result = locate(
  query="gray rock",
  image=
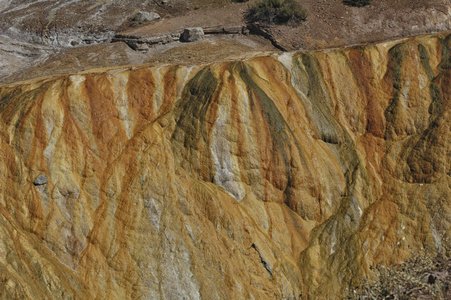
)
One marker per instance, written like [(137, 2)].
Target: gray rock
[(192, 34), (143, 16), (41, 180)]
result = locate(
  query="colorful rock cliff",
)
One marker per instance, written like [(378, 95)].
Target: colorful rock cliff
[(275, 177)]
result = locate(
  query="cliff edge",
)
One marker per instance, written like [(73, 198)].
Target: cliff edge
[(276, 177)]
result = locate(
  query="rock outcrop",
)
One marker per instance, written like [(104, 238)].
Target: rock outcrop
[(41, 180), (276, 177), (193, 34), (144, 16)]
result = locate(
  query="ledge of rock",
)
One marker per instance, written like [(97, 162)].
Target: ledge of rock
[(192, 34)]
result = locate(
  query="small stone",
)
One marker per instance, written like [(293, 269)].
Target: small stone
[(192, 34), (41, 180), (143, 16)]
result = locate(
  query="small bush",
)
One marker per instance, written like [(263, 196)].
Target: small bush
[(276, 12), (357, 3)]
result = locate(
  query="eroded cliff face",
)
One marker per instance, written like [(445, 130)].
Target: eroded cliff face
[(276, 177)]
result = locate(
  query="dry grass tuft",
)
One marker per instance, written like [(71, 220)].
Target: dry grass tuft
[(418, 278)]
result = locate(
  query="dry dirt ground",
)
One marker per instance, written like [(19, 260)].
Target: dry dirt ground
[(332, 24), (329, 24)]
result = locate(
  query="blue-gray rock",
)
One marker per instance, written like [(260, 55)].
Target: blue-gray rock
[(41, 180)]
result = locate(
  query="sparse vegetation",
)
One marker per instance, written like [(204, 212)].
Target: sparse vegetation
[(357, 3), (418, 278), (287, 12)]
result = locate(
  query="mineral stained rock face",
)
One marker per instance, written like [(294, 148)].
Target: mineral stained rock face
[(276, 177)]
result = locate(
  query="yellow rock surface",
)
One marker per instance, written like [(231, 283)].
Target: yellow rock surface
[(277, 177)]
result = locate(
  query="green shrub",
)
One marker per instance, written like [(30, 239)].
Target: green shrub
[(357, 3), (276, 12)]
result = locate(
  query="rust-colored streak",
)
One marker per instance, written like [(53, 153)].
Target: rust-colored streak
[(140, 90), (106, 126), (365, 78), (170, 89)]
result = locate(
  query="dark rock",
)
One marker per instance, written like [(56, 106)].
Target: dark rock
[(41, 180)]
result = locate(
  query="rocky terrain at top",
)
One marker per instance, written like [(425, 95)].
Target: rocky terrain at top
[(48, 35)]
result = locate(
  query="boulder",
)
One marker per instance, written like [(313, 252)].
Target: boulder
[(142, 16), (192, 34), (41, 180), (167, 3)]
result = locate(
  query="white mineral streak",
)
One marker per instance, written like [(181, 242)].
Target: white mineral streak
[(120, 99)]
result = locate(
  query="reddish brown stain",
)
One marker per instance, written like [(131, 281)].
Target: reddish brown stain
[(106, 126), (364, 75), (140, 91), (169, 90)]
